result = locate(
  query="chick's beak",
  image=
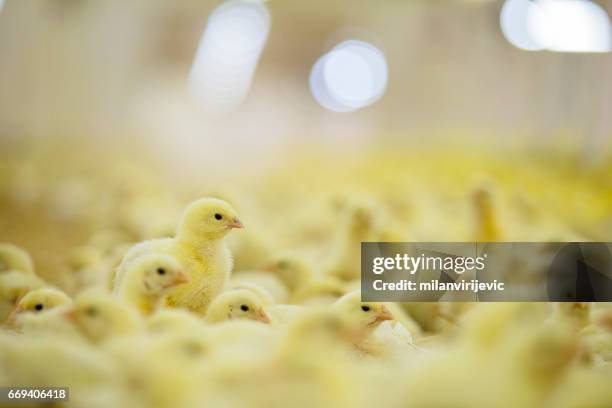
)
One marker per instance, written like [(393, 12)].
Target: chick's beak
[(70, 313), (235, 223), (182, 277), (263, 317), (384, 314)]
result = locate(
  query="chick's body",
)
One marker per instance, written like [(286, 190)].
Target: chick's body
[(199, 247)]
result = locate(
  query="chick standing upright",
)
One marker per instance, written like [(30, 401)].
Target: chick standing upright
[(199, 246)]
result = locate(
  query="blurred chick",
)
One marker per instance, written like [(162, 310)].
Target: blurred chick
[(99, 316), (53, 361), (294, 270), (13, 258), (360, 223), (38, 301), (13, 285), (487, 228), (199, 246), (367, 318), (267, 282), (148, 278), (236, 304), (172, 320), (324, 290)]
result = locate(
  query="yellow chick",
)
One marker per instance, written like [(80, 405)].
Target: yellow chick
[(53, 361), (318, 333), (269, 283), (487, 228), (199, 246), (100, 316), (324, 290), (148, 279), (86, 269), (366, 316), (596, 338), (14, 258), (577, 314), (13, 285), (282, 314), (164, 370), (236, 304), (294, 270), (172, 320), (38, 301), (361, 223)]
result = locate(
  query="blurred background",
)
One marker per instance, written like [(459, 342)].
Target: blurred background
[(111, 70), (206, 91)]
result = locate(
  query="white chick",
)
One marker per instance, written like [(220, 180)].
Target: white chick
[(147, 279), (199, 246), (236, 304)]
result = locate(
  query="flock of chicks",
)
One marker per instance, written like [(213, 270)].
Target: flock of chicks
[(213, 318)]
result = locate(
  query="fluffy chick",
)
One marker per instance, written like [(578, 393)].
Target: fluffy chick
[(294, 270), (100, 316), (172, 320), (367, 318), (49, 361), (199, 246), (14, 258), (38, 301), (146, 361), (146, 280), (324, 290), (13, 285), (269, 283), (361, 223), (236, 304)]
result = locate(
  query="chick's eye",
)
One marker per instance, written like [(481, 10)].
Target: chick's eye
[(218, 217), (244, 308), (365, 308), (38, 306), (161, 271)]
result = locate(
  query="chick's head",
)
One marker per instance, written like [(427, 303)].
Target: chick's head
[(161, 272), (15, 284), (99, 316), (367, 315), (206, 219), (41, 300), (237, 304), (292, 269)]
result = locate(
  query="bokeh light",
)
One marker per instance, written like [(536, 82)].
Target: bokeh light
[(228, 53), (351, 76), (570, 26), (556, 25), (513, 21)]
